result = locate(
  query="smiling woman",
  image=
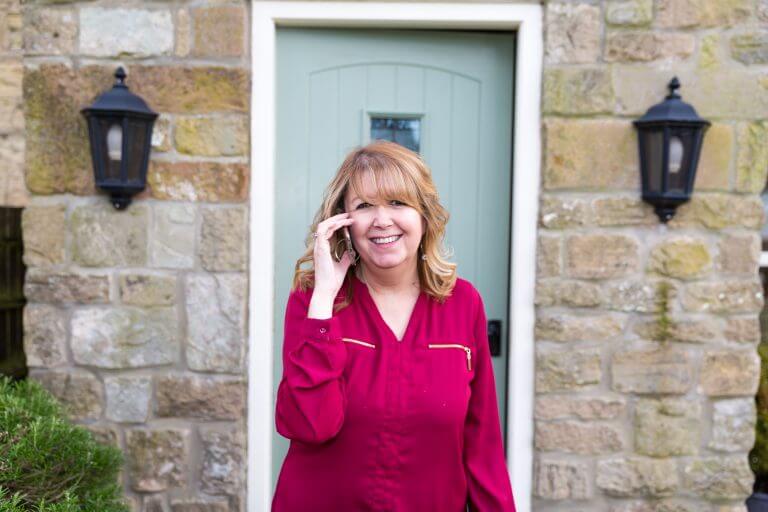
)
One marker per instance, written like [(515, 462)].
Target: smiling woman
[(387, 393)]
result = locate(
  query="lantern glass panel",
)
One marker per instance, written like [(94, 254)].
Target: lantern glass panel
[(110, 128), (137, 137), (653, 155), (681, 142)]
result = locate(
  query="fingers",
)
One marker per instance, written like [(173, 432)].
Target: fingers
[(328, 227)]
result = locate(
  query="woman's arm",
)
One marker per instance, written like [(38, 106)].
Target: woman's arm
[(311, 398), (484, 465)]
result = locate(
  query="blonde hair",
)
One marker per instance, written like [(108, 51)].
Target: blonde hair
[(398, 174)]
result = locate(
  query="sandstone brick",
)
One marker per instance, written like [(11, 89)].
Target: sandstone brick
[(623, 211), (13, 190), (633, 296), (751, 48), (732, 296), (197, 89), (223, 241), (105, 237), (573, 33), (111, 32), (663, 370), (62, 287), (648, 46), (172, 244), (125, 337), (578, 437), (719, 211), (548, 255), (43, 229), (78, 390), (45, 336), (161, 134), (157, 458), (714, 169), (742, 329), (216, 306), (681, 257), (198, 181), (590, 154), (209, 398), (561, 480), (739, 253), (577, 91), (567, 293), (667, 427), (710, 53), (700, 330), (719, 478), (702, 13), (558, 212), (631, 13), (730, 373), (49, 31), (556, 407), (637, 476), (565, 370), (128, 398), (223, 467), (733, 425), (212, 136), (752, 159), (600, 256), (147, 289), (567, 328), (219, 31)]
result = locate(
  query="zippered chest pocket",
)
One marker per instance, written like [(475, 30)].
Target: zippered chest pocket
[(454, 346)]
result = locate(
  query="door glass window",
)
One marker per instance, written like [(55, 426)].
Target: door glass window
[(406, 132)]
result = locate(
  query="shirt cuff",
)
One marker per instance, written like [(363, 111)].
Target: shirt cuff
[(325, 329)]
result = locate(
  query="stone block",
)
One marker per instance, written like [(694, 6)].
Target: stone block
[(681, 257), (629, 13), (637, 476), (561, 480), (183, 33), (147, 289), (79, 391), (739, 253), (223, 466), (119, 32), (212, 136), (63, 287), (701, 13), (105, 237), (161, 134), (719, 211), (224, 237), (557, 407), (548, 256), (573, 33), (633, 296), (158, 459), (124, 337), (561, 212), (211, 182), (199, 505), (666, 370), (568, 328), (752, 158), (700, 330), (648, 46), (585, 438), (45, 336), (731, 296), (219, 31), (719, 478), (128, 398), (667, 427), (49, 31), (565, 370), (207, 398), (750, 48), (601, 256), (733, 425), (44, 229), (714, 170), (172, 244), (730, 373), (568, 293), (577, 91), (623, 211), (216, 311), (742, 329), (590, 154), (13, 190)]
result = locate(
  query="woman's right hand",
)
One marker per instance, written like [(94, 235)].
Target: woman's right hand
[(329, 273)]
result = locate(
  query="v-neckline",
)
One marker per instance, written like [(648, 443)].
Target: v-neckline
[(363, 289)]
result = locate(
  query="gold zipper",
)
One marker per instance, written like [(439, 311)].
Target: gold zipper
[(363, 343), (456, 345)]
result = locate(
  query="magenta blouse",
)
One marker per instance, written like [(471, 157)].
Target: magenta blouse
[(381, 424)]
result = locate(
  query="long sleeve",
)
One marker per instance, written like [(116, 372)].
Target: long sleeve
[(488, 482), (311, 398)]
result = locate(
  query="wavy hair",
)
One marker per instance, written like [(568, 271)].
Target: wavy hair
[(398, 174)]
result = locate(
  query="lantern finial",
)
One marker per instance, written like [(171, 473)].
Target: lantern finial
[(120, 77), (673, 86)]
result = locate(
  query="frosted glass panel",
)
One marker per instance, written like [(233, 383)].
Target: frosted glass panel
[(406, 132)]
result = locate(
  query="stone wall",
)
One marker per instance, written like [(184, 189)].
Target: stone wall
[(13, 192), (627, 419), (137, 319)]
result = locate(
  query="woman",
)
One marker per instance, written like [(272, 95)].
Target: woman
[(387, 393)]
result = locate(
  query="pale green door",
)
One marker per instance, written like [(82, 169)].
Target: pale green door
[(447, 94)]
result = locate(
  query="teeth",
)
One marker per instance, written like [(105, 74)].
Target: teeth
[(385, 240)]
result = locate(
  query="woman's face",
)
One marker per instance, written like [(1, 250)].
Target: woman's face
[(375, 224)]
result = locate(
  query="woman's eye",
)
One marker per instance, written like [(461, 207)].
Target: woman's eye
[(397, 203), (361, 204)]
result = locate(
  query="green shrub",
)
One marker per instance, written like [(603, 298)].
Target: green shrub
[(48, 464)]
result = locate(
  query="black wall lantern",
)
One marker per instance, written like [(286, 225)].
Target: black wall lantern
[(120, 132), (670, 136)]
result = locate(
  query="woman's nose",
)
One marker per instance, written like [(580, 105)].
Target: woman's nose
[(382, 216)]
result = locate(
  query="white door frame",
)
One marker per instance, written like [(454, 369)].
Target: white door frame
[(526, 20)]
